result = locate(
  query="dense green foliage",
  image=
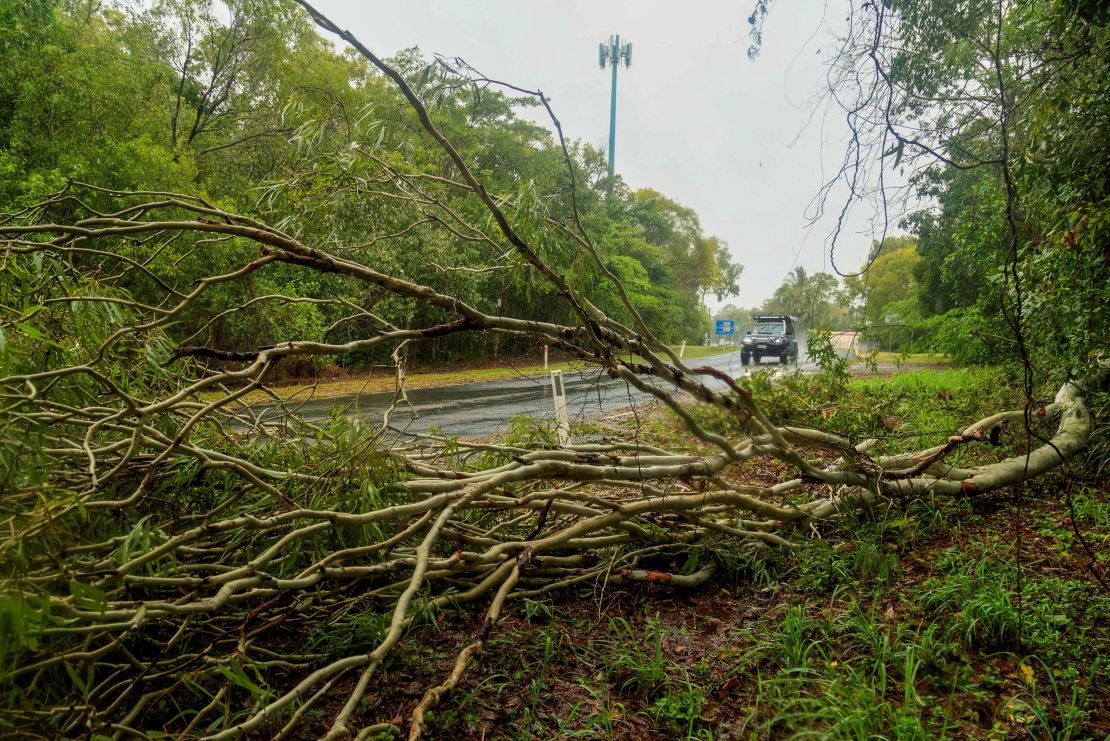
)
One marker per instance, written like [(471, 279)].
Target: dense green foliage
[(812, 298), (999, 113), (247, 105), (1050, 63)]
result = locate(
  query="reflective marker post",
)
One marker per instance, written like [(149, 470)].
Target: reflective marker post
[(545, 357), (559, 394), (682, 350)]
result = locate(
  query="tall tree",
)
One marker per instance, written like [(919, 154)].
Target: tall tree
[(890, 278), (812, 298)]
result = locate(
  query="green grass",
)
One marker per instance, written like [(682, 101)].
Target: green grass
[(912, 359), (910, 409), (933, 658)]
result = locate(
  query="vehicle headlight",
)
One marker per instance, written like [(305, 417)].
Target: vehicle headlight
[(779, 340), (746, 341)]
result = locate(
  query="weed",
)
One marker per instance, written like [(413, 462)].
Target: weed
[(935, 651), (362, 632), (1071, 698), (536, 612), (603, 722), (834, 704), (872, 562), (633, 667), (735, 561), (984, 609), (823, 565), (680, 711), (527, 431), (792, 643), (873, 640), (1090, 510)]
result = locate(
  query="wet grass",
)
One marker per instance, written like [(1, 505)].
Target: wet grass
[(911, 360), (929, 623)]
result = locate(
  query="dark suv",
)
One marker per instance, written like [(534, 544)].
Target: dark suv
[(772, 335)]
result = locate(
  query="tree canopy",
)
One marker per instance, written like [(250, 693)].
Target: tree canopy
[(245, 103), (998, 115)]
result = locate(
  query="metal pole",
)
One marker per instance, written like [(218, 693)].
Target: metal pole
[(614, 46)]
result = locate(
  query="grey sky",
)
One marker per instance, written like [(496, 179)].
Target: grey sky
[(695, 119)]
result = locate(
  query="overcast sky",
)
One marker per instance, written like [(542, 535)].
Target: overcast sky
[(696, 120)]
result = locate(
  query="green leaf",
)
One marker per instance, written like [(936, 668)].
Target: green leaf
[(35, 334), (238, 675), (88, 596)]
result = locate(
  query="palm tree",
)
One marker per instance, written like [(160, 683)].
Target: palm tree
[(803, 295)]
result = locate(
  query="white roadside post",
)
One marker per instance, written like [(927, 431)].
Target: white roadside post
[(400, 361), (682, 350), (402, 364), (559, 394), (545, 357)]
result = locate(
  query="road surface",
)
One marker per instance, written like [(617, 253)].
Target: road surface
[(481, 409)]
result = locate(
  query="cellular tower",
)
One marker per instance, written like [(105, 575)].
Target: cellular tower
[(612, 54)]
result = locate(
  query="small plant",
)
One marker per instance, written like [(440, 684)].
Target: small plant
[(532, 432), (363, 631), (872, 562), (792, 643), (680, 711), (637, 664), (601, 723), (822, 565), (735, 561), (1072, 697), (820, 349), (985, 613)]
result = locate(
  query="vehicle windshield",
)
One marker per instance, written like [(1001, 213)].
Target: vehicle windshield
[(768, 328)]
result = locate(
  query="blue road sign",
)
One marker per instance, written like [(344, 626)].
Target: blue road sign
[(726, 326)]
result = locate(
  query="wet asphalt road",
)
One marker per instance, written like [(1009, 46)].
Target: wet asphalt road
[(481, 409)]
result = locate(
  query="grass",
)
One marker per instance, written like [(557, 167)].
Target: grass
[(910, 409), (927, 650), (933, 619), (912, 359), (380, 380)]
